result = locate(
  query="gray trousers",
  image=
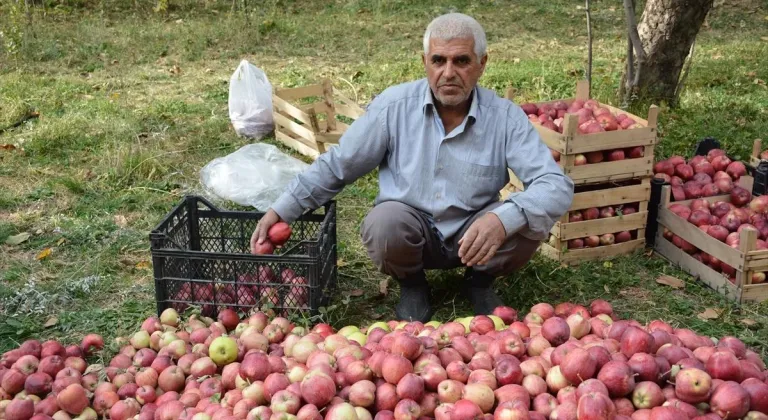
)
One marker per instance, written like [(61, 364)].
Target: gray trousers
[(401, 242)]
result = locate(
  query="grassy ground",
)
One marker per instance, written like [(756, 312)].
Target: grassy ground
[(132, 104)]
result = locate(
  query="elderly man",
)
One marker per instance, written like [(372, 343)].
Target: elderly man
[(442, 146)]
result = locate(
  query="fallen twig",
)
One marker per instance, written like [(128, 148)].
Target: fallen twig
[(22, 120)]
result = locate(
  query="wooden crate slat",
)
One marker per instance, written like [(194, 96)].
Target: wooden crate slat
[(617, 170), (607, 140), (755, 293), (297, 145), (296, 128), (611, 196), (692, 266), (575, 230), (284, 107), (349, 111), (576, 256), (302, 92), (701, 240)]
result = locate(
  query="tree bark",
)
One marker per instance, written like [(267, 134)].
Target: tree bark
[(667, 30)]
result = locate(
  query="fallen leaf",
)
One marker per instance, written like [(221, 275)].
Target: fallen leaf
[(607, 290), (94, 368), (356, 293), (764, 38), (142, 265), (17, 239), (516, 60), (7, 147), (51, 322), (44, 254), (341, 263), (649, 253), (670, 281), (175, 69), (61, 241), (383, 287), (607, 264), (376, 316), (121, 221), (709, 313), (114, 96), (751, 74), (748, 322)]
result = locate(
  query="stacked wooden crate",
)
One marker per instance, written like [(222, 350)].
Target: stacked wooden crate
[(622, 185)]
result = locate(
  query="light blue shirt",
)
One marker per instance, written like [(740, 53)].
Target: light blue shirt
[(450, 176)]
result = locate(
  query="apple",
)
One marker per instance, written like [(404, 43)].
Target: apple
[(465, 410), (406, 410), (758, 394), (386, 397), (578, 366), (724, 365), (647, 394), (618, 378), (72, 399), (507, 314), (556, 331), (730, 400), (595, 405)]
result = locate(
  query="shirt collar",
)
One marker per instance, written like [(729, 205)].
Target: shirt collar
[(429, 102)]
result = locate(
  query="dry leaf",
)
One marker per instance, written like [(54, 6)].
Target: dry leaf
[(376, 316), (17, 239), (341, 263), (121, 221), (709, 313), (607, 290), (356, 293), (764, 38), (175, 69), (142, 265), (51, 322), (383, 287), (748, 322), (670, 281), (607, 264), (61, 241), (7, 146), (44, 254), (94, 368)]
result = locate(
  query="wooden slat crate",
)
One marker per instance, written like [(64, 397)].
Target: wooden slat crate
[(613, 195), (746, 259), (298, 125), (572, 143), (757, 148)]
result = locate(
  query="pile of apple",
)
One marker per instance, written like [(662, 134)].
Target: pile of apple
[(724, 221), (263, 287), (701, 176), (562, 362), (593, 118), (48, 380)]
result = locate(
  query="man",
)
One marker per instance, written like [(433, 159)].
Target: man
[(442, 146)]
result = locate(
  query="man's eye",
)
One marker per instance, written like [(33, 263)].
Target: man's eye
[(438, 60), (462, 60)]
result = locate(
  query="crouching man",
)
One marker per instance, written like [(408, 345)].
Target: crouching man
[(442, 145)]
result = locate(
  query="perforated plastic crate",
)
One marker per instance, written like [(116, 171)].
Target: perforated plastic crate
[(201, 257)]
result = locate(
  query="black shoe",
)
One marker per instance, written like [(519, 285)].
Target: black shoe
[(414, 300), (479, 287)]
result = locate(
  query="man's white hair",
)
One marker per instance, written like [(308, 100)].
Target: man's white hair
[(456, 25)]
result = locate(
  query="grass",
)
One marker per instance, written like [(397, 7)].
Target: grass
[(132, 104)]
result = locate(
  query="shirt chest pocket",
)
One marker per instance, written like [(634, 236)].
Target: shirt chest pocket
[(474, 185)]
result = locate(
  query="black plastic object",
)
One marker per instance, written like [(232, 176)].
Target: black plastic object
[(705, 145), (652, 225), (760, 174), (201, 257)]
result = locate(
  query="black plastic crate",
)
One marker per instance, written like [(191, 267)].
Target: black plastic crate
[(201, 257)]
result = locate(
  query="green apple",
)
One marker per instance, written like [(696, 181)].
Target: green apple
[(223, 350), (401, 325), (497, 322), (434, 324), (169, 317), (465, 322), (359, 337), (381, 324), (349, 329)]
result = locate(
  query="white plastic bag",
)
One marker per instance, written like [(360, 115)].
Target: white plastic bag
[(250, 101), (255, 175)]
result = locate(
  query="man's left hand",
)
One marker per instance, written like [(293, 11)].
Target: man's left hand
[(481, 241)]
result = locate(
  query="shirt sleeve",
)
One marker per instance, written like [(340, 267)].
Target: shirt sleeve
[(548, 192), (361, 149)]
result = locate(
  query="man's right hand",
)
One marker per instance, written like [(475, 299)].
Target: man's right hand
[(260, 233)]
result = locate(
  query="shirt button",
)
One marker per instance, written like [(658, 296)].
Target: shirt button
[(437, 195)]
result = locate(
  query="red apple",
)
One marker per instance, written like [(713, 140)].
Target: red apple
[(647, 394), (617, 377), (730, 400)]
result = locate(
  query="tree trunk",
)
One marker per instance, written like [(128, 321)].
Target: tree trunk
[(667, 30)]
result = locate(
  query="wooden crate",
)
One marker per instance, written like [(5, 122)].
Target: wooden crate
[(312, 128), (586, 196), (571, 143), (746, 260), (757, 148)]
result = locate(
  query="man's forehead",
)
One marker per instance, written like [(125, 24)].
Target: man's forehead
[(451, 48)]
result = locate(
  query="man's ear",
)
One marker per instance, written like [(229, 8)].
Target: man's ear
[(483, 61), (424, 59)]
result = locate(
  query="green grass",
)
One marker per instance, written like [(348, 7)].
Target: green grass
[(120, 134)]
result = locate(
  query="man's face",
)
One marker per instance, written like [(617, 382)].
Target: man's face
[(453, 69)]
